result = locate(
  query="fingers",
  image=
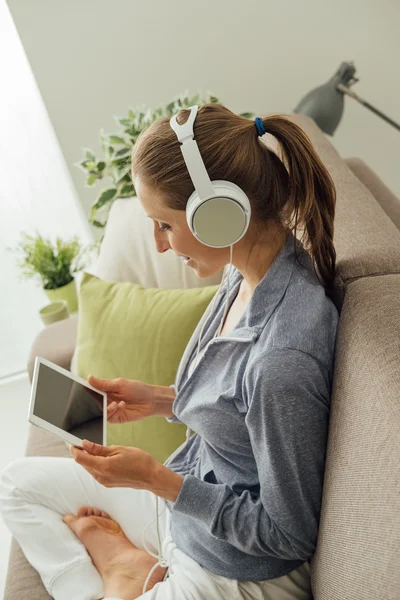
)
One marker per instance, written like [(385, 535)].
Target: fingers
[(105, 385), (95, 460), (115, 412)]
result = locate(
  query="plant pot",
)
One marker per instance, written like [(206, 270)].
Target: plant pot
[(66, 292), (56, 311)]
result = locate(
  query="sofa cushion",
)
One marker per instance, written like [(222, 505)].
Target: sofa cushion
[(358, 545), (126, 330), (23, 581)]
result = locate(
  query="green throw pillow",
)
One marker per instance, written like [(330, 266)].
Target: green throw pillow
[(126, 330)]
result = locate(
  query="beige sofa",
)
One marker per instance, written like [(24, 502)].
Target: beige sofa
[(358, 551)]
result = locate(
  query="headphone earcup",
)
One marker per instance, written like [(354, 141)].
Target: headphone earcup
[(221, 220)]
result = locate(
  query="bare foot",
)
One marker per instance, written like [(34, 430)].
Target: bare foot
[(123, 566)]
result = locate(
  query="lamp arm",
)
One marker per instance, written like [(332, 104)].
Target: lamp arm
[(346, 90)]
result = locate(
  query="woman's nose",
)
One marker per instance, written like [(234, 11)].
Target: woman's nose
[(161, 245), (160, 240)]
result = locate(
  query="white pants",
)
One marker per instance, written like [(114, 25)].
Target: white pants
[(35, 494)]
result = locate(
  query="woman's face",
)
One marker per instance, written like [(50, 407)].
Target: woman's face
[(171, 232)]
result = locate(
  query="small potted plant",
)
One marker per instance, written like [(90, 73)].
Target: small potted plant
[(53, 265)]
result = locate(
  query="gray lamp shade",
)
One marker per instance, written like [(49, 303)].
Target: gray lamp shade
[(325, 103)]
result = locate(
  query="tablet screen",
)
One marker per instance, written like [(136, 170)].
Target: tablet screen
[(68, 405)]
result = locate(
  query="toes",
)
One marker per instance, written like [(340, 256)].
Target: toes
[(70, 520), (88, 511)]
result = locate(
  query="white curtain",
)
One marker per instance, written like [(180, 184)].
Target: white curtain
[(36, 193)]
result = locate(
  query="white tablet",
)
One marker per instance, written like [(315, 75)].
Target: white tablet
[(66, 405)]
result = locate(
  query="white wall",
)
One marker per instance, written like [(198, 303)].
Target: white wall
[(95, 58), (36, 194)]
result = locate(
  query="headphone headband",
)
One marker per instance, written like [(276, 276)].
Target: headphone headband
[(191, 154), (185, 130)]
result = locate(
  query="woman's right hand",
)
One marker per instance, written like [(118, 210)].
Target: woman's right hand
[(127, 399)]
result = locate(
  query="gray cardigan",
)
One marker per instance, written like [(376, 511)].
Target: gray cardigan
[(258, 402)]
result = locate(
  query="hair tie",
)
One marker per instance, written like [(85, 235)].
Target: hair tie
[(260, 126)]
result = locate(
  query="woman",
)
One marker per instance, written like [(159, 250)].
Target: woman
[(239, 503)]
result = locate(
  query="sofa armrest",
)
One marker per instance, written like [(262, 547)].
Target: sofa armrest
[(56, 342)]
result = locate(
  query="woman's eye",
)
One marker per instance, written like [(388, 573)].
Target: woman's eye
[(164, 227)]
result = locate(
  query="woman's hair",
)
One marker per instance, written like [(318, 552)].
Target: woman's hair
[(296, 192)]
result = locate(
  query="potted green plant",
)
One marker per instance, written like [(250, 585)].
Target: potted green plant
[(117, 148), (53, 264)]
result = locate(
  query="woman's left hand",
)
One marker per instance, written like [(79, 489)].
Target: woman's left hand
[(116, 466)]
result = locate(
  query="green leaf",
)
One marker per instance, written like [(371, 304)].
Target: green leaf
[(98, 224), (101, 165), (124, 169), (90, 166), (115, 139), (89, 155), (133, 132), (118, 164), (105, 197), (91, 179), (123, 153), (124, 122), (247, 115), (125, 179), (127, 190)]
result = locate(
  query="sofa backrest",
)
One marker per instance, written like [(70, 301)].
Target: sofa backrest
[(359, 534), (358, 547), (359, 537), (388, 201)]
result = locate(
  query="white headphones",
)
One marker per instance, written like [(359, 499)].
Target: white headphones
[(218, 212)]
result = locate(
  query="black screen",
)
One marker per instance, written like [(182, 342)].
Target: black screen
[(69, 405)]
